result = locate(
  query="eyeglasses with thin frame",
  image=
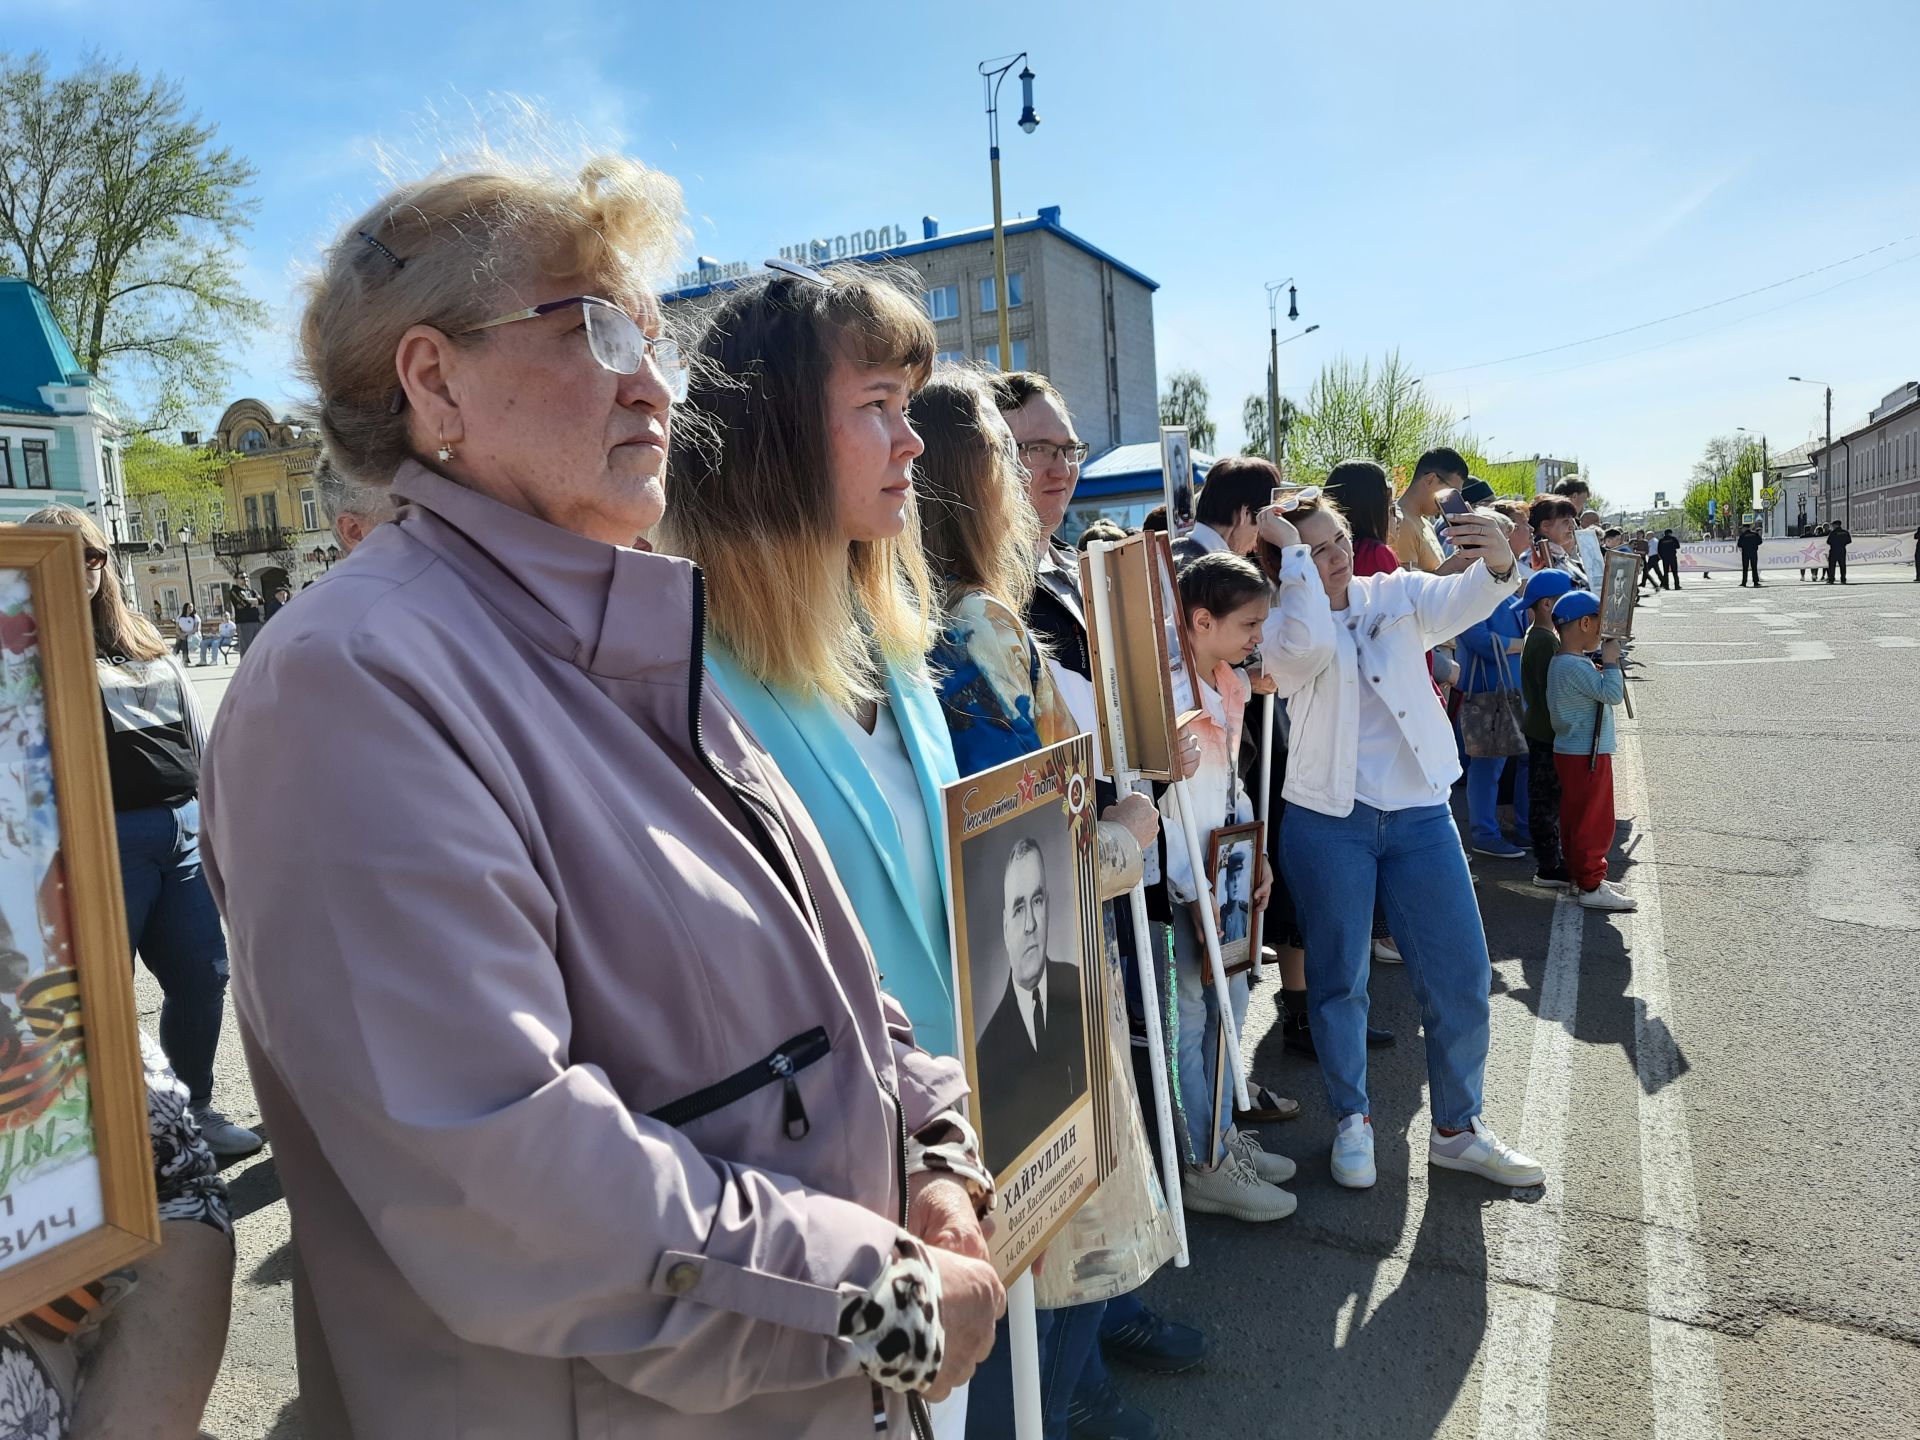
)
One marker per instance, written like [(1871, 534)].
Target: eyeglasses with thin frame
[(95, 557), (1046, 451), (615, 340)]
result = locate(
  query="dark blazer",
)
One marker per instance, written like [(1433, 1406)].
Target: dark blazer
[(1021, 1093), (1056, 616)]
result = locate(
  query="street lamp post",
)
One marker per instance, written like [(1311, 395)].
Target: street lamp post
[(1826, 456), (1274, 287), (992, 72), (185, 537)]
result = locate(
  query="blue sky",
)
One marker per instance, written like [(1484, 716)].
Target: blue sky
[(1464, 183)]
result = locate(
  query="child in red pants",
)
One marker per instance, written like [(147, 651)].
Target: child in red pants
[(1581, 697)]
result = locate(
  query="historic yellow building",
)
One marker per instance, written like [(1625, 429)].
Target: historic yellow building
[(266, 525)]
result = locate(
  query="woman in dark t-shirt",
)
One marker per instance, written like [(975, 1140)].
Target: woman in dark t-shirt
[(154, 735)]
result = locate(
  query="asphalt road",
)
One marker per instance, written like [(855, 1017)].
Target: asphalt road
[(1723, 1087)]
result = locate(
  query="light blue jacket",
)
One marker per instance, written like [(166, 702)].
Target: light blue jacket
[(907, 930)]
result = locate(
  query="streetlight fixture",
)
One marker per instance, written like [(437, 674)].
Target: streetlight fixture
[(1826, 456), (1274, 287), (992, 73)]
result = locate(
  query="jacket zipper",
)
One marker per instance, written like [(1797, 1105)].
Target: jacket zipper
[(918, 1421), (781, 1066)]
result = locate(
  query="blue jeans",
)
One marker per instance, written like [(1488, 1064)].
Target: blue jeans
[(175, 929), (1200, 1040), (1067, 1338), (1412, 860), (1483, 799)]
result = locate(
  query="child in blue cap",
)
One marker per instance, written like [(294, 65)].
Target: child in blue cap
[(1581, 697)]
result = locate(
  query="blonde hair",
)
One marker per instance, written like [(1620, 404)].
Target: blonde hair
[(750, 486), (117, 627), (451, 251), (976, 525)]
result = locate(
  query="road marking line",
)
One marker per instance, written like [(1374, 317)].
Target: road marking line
[(1685, 1368), (1516, 1365), (1798, 650), (1896, 642), (1715, 644)]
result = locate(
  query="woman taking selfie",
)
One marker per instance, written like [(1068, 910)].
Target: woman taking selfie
[(1368, 774), (591, 1116)]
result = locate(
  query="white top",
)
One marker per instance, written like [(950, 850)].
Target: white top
[(1213, 791), (1387, 774), (1206, 537), (1322, 666), (188, 624), (884, 753)]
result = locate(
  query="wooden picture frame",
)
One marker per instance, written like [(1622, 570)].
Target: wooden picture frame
[(1619, 593), (1176, 478), (1235, 912), (76, 1164), (1138, 570), (1022, 874)]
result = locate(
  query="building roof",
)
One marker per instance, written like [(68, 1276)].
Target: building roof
[(1048, 220), (1130, 469), (1885, 414), (33, 349)]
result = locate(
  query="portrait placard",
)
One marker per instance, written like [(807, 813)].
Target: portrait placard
[(1176, 478), (1619, 594), (1139, 573), (76, 1166), (1233, 871), (1027, 968)]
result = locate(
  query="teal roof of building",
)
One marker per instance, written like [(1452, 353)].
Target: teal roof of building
[(33, 349)]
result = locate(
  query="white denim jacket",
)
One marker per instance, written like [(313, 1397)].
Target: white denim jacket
[(1319, 665)]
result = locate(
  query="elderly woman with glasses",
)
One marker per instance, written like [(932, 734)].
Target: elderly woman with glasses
[(591, 1115)]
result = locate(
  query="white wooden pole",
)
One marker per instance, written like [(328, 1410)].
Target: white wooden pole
[(1023, 1336), (1268, 703), (1145, 970)]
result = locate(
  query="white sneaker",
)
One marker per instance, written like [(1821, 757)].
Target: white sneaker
[(1274, 1169), (1230, 1188), (1481, 1152), (1387, 953), (1353, 1153), (1606, 896)]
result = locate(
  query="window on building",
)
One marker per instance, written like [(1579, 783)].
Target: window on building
[(6, 464), (270, 511), (160, 530), (252, 502), (1016, 287), (309, 512), (943, 302), (253, 439), (950, 357), (33, 458), (217, 512), (991, 354), (135, 521)]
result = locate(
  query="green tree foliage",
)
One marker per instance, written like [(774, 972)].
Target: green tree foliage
[(1253, 419), (1724, 474), (1358, 412), (175, 485), (122, 209), (1184, 402)]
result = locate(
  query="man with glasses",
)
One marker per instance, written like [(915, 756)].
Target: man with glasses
[(1052, 451)]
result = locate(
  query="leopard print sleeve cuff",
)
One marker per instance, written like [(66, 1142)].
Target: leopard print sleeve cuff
[(947, 1143), (895, 1328)]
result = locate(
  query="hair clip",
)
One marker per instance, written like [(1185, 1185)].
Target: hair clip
[(799, 272), (398, 263)]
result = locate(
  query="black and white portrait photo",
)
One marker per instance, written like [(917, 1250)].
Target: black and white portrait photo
[(1029, 1034)]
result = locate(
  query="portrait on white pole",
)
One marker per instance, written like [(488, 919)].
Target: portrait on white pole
[(1027, 951)]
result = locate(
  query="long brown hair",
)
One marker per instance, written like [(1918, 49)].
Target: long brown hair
[(750, 492), (117, 627), (976, 525)]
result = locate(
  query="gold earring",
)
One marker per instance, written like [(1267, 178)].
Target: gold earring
[(445, 452)]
